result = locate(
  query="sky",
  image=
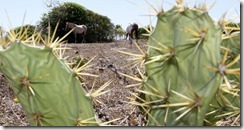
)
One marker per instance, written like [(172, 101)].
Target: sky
[(14, 13)]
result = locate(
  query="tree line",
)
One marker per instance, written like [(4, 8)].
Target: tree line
[(100, 28)]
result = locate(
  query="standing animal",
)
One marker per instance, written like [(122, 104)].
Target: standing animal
[(130, 30), (77, 29)]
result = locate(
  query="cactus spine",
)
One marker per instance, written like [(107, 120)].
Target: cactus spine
[(191, 43), (47, 88), (184, 69)]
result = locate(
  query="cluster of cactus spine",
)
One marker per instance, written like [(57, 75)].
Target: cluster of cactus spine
[(227, 100), (49, 91), (189, 77)]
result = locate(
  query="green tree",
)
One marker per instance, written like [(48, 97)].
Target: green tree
[(99, 27), (1, 32), (119, 32), (234, 27), (28, 30), (142, 31)]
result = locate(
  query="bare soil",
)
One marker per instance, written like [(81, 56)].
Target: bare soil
[(107, 65)]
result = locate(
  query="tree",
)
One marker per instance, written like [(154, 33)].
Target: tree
[(119, 32), (99, 27), (30, 29), (1, 32), (142, 31), (233, 27), (23, 33)]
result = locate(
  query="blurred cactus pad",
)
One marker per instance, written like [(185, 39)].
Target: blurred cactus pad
[(47, 88)]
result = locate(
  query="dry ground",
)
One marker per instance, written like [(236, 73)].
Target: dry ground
[(107, 63)]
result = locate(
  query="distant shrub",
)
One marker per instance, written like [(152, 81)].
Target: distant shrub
[(100, 27)]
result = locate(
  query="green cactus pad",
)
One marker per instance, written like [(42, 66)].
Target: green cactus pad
[(46, 87), (184, 44)]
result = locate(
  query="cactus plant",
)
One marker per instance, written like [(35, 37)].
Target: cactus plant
[(226, 102), (179, 70), (184, 68), (47, 88)]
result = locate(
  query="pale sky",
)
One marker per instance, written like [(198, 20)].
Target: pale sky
[(120, 12)]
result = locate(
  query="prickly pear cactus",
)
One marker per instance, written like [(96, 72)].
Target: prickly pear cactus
[(47, 88), (184, 43), (185, 67), (186, 72), (226, 103)]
